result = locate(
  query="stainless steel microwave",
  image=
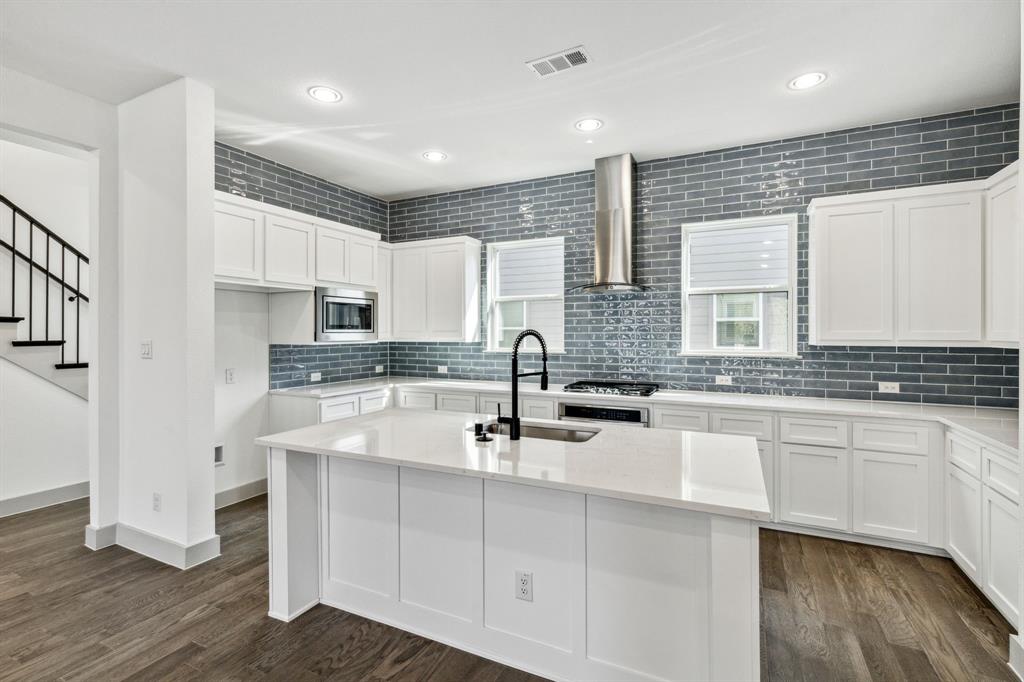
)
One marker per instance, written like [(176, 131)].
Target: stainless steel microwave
[(345, 315)]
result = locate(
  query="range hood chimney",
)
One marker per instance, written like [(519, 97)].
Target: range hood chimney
[(613, 227)]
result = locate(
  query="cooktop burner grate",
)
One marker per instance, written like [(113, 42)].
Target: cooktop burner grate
[(611, 387)]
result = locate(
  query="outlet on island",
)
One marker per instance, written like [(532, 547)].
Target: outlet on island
[(524, 585)]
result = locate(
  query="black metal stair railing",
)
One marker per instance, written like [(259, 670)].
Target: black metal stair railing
[(71, 292)]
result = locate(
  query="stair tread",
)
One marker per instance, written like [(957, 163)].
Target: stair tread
[(71, 365), (8, 318), (37, 343)]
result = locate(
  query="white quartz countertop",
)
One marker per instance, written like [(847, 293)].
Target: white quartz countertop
[(706, 472), (997, 426)]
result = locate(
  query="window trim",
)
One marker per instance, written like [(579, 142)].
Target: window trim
[(493, 299), (791, 220)]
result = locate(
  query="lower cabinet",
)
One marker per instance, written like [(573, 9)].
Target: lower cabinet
[(767, 453), (494, 404), (890, 495), (678, 418), (417, 400), (1000, 523), (537, 408), (333, 409), (963, 521), (456, 402), (814, 485)]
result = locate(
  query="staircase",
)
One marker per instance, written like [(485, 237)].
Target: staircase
[(42, 316)]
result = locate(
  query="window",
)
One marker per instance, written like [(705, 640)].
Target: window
[(525, 290), (739, 287)]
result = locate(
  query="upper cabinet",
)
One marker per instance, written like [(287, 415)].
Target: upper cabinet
[(1002, 248), (923, 266), (259, 246), (435, 290)]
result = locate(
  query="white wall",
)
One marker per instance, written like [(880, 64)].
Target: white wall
[(166, 202), (44, 434), (42, 111), (53, 188), (242, 335)]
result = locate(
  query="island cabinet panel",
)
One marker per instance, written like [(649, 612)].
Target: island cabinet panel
[(359, 528), (441, 543), (541, 532), (647, 576)]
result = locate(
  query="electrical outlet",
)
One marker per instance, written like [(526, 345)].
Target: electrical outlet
[(229, 375), (314, 376), (888, 387), (379, 369), (146, 350), (524, 585), (442, 369), (158, 502), (723, 380)]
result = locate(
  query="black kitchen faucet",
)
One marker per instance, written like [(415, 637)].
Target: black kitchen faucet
[(513, 421)]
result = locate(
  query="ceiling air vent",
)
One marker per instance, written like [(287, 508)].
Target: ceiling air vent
[(558, 62)]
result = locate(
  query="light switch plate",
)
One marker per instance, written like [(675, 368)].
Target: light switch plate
[(314, 376), (888, 387), (229, 375), (723, 380), (146, 350)]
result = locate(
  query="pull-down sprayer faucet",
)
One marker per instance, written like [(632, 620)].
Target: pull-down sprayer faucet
[(513, 421)]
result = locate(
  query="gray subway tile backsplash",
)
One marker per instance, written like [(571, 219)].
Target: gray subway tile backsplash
[(638, 336)]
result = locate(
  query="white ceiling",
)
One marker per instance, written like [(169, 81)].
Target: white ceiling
[(667, 77)]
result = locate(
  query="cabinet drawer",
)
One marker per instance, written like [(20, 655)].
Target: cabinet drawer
[(675, 418), (538, 408), (827, 432), (489, 404), (456, 402), (964, 454), (1000, 473), (909, 440), (757, 425), (372, 403), (339, 408), (419, 401)]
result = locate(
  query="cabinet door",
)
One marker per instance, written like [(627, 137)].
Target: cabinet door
[(363, 261), (890, 495), (538, 408), (814, 487), (445, 297), (1002, 263), (938, 257), (332, 256), (1000, 541), (409, 293), (290, 251), (852, 257), (384, 294), (677, 418), (963, 521), (237, 242)]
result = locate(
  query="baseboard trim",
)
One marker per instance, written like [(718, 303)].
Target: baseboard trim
[(44, 498), (98, 537), (226, 498), (850, 537), (298, 612), (1017, 656), (165, 550)]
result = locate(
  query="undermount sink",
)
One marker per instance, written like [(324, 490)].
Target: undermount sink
[(527, 430)]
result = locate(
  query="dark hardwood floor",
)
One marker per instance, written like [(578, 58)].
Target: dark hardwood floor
[(830, 610)]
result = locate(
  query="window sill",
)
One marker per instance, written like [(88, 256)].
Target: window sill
[(785, 355)]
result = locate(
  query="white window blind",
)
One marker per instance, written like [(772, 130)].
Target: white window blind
[(738, 287), (526, 283)]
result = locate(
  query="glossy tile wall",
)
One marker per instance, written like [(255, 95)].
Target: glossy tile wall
[(638, 336)]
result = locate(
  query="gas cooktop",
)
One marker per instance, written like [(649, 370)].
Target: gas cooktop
[(611, 387)]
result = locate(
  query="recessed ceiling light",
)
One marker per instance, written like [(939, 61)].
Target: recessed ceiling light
[(435, 155), (807, 80), (588, 125), (322, 93)]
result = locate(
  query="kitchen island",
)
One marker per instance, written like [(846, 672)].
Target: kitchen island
[(630, 555)]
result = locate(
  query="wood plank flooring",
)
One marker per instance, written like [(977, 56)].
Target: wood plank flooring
[(830, 611)]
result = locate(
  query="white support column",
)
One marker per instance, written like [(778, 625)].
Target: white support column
[(166, 496), (293, 491)]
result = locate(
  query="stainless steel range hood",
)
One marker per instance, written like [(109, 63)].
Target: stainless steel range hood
[(613, 227)]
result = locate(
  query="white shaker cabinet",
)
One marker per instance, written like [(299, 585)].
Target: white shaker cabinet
[(237, 242), (963, 520), (343, 258), (1002, 259), (289, 251), (1000, 522), (384, 293), (435, 290), (890, 495), (814, 486), (939, 272), (852, 290)]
